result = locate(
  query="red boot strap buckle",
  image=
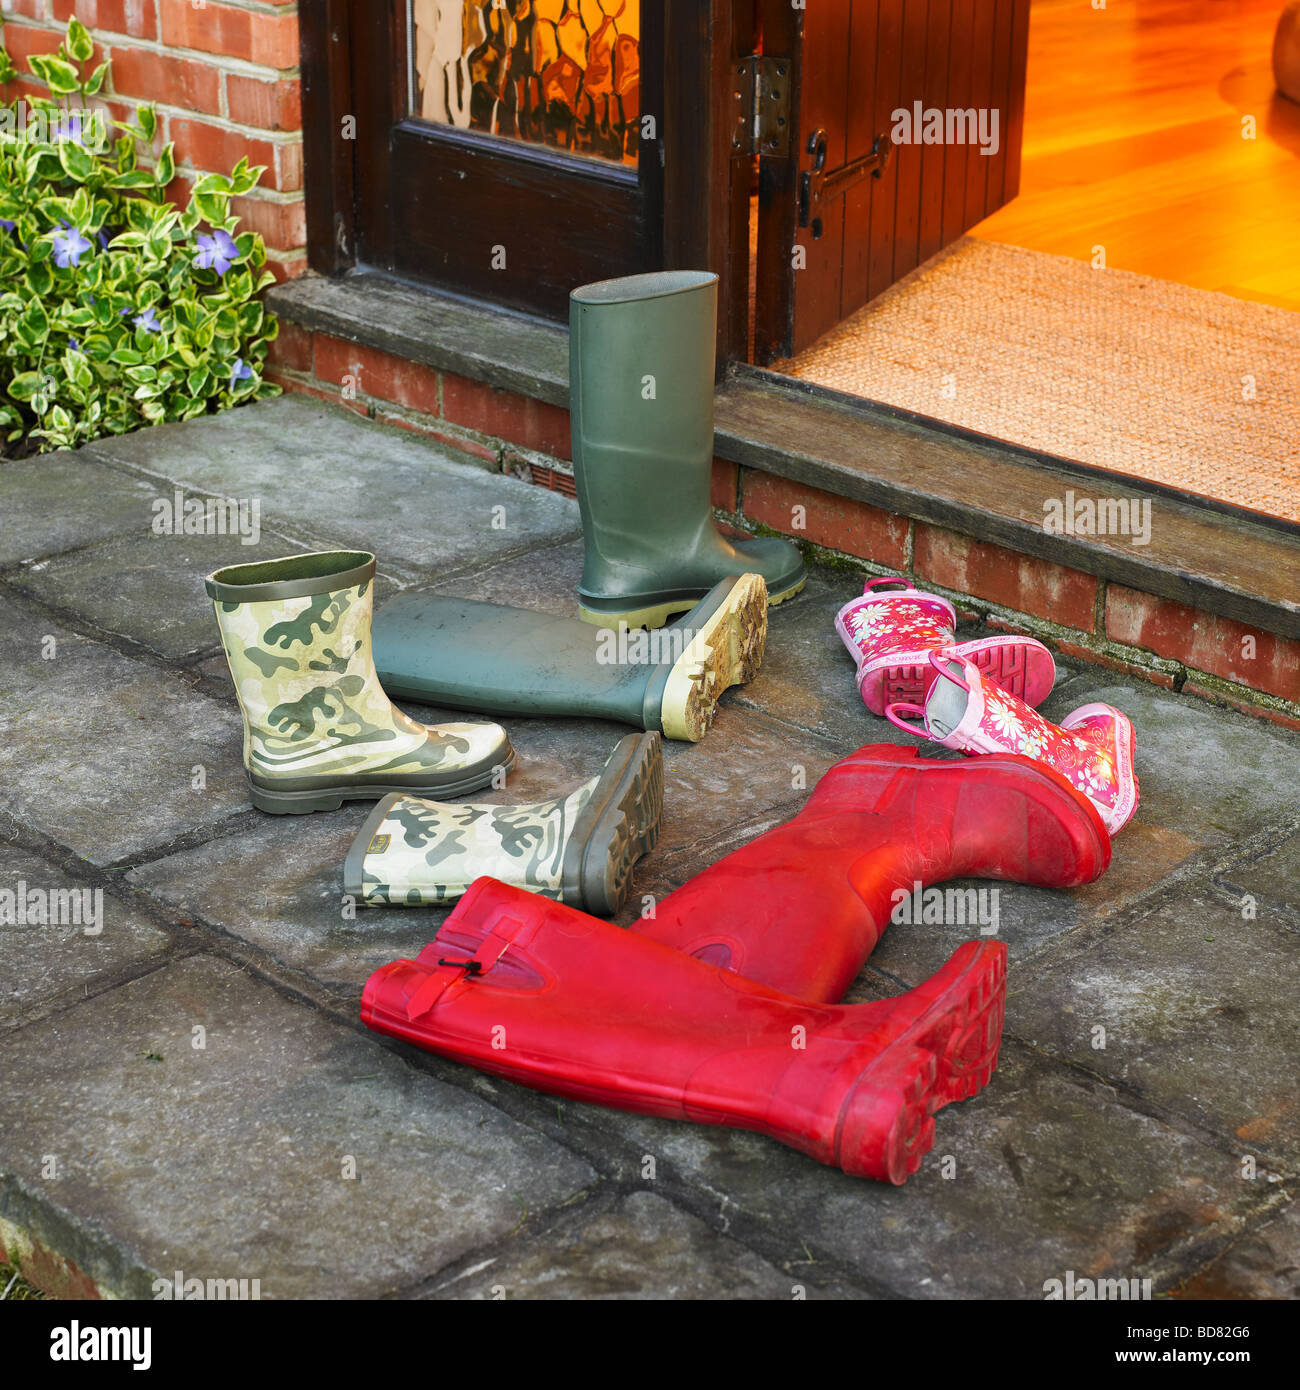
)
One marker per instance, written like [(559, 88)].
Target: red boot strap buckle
[(493, 946)]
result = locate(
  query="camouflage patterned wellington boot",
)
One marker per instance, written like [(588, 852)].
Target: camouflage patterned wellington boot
[(318, 728), (578, 848), (464, 654)]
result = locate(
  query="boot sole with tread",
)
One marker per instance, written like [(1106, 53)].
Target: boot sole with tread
[(617, 827), (727, 651)]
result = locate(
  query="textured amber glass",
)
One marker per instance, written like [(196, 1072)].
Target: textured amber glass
[(564, 73)]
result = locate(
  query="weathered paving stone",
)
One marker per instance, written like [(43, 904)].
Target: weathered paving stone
[(287, 897), (230, 1161), (1049, 1173), (320, 471), (1273, 879), (56, 502), (641, 1247), (545, 581), (1198, 1012), (148, 588), (1262, 1263), (807, 676), (44, 961), (98, 751)]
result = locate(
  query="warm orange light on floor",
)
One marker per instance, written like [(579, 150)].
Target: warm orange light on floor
[(1138, 138)]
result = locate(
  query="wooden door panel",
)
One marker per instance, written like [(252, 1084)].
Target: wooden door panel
[(882, 191), (863, 116), (825, 74), (907, 206), (857, 62), (957, 97)]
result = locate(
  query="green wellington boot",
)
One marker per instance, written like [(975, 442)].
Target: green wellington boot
[(464, 654), (641, 403), (318, 728), (578, 848)]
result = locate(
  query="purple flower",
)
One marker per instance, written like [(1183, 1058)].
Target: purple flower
[(148, 321), (68, 127), (217, 252), (7, 225), (69, 246), (241, 371)]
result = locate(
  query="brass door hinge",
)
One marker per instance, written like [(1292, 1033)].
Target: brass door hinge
[(760, 92)]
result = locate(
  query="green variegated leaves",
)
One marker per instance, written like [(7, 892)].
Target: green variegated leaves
[(113, 317)]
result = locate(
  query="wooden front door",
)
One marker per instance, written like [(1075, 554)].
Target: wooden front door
[(892, 108), (501, 147)]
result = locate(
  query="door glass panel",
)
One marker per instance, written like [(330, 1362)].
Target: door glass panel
[(564, 73)]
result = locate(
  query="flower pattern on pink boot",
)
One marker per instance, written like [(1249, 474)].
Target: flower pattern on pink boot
[(1093, 747), (890, 635)]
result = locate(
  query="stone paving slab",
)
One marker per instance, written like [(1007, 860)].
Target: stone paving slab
[(1190, 1000), (230, 1162), (56, 502), (148, 588), (287, 897), (56, 952), (640, 1247), (318, 471), (1273, 880), (1262, 1263), (1049, 1172), (98, 750)]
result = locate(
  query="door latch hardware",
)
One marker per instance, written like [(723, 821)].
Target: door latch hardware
[(817, 187)]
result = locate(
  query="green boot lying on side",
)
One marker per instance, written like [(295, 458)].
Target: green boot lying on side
[(579, 848), (464, 654)]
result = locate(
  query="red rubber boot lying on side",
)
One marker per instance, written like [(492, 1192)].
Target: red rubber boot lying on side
[(525, 988), (801, 907)]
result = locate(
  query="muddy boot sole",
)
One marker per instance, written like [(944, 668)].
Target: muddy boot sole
[(727, 650), (618, 825)]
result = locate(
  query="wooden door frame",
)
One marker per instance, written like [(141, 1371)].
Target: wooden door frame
[(694, 181)]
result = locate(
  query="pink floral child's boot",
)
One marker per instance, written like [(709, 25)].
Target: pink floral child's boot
[(1092, 747), (891, 634)]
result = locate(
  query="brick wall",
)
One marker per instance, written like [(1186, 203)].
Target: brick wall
[(1082, 617), (224, 76)]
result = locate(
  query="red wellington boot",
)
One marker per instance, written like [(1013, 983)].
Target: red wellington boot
[(801, 907), (529, 989)]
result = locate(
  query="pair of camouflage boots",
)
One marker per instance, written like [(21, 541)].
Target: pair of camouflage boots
[(320, 730)]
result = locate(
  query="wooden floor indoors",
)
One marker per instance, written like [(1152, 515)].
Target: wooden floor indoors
[(1134, 141)]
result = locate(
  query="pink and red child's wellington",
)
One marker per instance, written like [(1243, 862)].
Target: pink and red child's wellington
[(526, 988), (1093, 746), (890, 635)]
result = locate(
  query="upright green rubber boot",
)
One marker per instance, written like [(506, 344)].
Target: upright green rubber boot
[(318, 728), (578, 848), (464, 654), (641, 403)]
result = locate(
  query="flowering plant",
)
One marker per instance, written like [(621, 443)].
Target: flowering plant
[(117, 309)]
